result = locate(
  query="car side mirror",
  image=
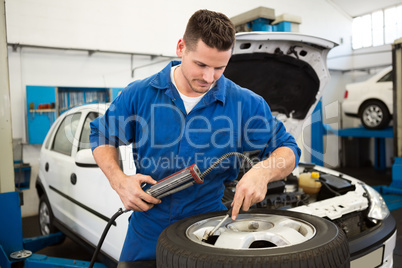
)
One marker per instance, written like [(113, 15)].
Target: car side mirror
[(84, 158)]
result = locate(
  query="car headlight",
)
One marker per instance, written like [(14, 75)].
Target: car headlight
[(378, 208)]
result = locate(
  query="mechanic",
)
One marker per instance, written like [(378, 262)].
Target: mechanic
[(189, 113)]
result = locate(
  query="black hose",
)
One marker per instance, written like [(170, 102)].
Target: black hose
[(110, 222), (206, 172)]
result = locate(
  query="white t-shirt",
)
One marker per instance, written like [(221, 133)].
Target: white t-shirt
[(189, 102)]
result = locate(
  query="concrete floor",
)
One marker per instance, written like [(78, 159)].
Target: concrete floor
[(68, 249), (71, 250)]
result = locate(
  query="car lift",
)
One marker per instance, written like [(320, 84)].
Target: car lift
[(16, 251), (392, 194)]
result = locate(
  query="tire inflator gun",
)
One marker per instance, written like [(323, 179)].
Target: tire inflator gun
[(169, 185), (176, 182)]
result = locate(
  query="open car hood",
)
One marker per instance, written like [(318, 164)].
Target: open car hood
[(289, 70)]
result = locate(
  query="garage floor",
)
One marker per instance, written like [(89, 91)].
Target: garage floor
[(68, 249), (71, 250)]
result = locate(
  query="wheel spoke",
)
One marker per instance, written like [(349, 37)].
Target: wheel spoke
[(282, 235), (230, 239)]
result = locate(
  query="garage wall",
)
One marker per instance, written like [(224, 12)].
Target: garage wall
[(132, 26), (147, 27)]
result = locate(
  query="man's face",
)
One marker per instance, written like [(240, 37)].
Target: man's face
[(200, 68)]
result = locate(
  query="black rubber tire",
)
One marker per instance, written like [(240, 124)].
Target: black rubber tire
[(44, 204), (386, 117), (328, 248)]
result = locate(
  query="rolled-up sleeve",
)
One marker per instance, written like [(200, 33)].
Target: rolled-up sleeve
[(116, 127), (266, 133)]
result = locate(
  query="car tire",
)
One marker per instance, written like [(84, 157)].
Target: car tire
[(46, 217), (327, 248), (374, 115)]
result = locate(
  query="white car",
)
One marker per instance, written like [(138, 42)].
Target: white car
[(346, 217), (74, 194), (371, 100)]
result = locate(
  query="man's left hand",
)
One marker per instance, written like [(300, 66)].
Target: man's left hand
[(251, 189)]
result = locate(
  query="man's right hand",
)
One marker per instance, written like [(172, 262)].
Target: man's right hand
[(127, 187), (131, 194)]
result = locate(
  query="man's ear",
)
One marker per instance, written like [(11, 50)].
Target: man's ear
[(181, 45)]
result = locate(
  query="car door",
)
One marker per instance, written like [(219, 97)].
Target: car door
[(58, 164), (96, 200)]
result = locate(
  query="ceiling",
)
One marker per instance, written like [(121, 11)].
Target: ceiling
[(360, 7)]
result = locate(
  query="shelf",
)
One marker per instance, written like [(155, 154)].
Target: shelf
[(360, 132), (42, 110)]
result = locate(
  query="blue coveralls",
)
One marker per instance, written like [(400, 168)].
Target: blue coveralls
[(150, 114)]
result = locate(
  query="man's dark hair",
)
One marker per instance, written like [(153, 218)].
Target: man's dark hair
[(213, 28)]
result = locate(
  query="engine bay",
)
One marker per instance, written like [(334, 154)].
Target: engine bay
[(339, 198)]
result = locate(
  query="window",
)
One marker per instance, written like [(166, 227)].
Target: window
[(362, 32), (377, 28), (386, 78), (64, 139), (49, 138), (86, 130), (377, 24)]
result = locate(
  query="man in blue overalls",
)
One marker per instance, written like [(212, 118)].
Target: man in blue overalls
[(189, 113)]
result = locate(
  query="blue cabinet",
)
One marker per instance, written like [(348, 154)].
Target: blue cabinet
[(39, 120), (45, 103)]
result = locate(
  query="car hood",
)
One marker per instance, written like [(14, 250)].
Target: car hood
[(289, 70)]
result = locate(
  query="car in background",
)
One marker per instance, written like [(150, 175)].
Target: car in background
[(75, 196), (371, 100), (289, 70)]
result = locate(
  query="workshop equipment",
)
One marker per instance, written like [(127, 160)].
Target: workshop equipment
[(207, 235), (176, 182), (16, 251)]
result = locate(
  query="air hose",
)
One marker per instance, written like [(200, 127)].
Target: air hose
[(103, 236), (121, 211)]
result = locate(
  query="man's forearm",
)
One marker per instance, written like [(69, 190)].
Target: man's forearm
[(107, 158), (278, 165)]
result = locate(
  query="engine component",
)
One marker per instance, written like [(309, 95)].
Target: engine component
[(334, 185), (285, 200)]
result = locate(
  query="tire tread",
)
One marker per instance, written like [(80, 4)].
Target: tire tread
[(333, 254)]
